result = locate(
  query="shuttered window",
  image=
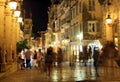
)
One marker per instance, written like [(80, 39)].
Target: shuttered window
[(91, 5), (93, 26)]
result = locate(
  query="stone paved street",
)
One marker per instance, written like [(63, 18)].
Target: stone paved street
[(66, 74)]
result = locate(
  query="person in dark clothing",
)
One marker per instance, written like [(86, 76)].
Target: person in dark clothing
[(90, 52), (35, 55), (49, 60), (95, 57), (60, 57), (35, 59)]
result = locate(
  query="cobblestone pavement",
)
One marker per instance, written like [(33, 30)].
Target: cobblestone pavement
[(65, 74)]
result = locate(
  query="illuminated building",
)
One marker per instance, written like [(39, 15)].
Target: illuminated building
[(9, 36)]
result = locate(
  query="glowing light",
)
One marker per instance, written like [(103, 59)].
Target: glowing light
[(13, 5), (80, 36), (17, 13), (108, 20), (19, 19)]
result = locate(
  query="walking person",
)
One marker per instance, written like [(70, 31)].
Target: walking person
[(49, 60), (28, 55), (23, 59), (39, 58), (34, 59), (90, 52), (60, 58), (96, 57), (20, 60)]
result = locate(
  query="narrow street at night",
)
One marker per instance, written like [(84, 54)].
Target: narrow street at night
[(66, 74), (78, 39)]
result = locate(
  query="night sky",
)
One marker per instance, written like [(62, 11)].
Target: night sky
[(39, 10)]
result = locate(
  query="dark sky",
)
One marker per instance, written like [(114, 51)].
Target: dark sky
[(39, 10)]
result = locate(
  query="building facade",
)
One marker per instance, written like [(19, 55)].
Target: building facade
[(28, 30), (73, 25), (76, 24), (9, 36)]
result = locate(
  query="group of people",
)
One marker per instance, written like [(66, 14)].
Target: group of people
[(101, 56), (29, 59), (39, 60), (92, 54), (24, 58)]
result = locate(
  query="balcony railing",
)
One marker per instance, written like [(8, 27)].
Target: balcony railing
[(65, 21)]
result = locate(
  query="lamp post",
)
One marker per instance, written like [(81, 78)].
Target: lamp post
[(13, 5), (17, 13), (108, 20), (20, 19), (111, 29)]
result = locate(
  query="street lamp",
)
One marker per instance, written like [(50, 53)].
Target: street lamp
[(108, 20), (13, 5), (80, 36), (111, 27), (17, 13), (19, 19)]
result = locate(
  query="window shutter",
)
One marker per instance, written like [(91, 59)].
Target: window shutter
[(98, 27)]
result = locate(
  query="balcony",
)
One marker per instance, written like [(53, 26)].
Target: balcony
[(65, 22), (88, 36)]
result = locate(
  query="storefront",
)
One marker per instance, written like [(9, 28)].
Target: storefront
[(77, 48)]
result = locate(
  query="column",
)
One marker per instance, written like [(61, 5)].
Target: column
[(13, 42), (2, 50), (8, 27), (15, 39)]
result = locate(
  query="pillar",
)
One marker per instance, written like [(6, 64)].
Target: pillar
[(15, 39), (8, 27), (2, 30), (13, 43)]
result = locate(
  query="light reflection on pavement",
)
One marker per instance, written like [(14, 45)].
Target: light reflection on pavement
[(64, 74)]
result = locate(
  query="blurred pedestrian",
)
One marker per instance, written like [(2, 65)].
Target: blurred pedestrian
[(19, 60), (28, 55), (96, 57), (90, 52), (49, 60), (34, 59), (60, 55), (39, 58), (23, 59), (60, 58)]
